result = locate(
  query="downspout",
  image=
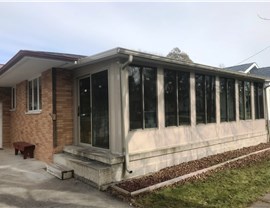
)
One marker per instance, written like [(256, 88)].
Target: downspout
[(267, 111), (123, 126), (53, 115)]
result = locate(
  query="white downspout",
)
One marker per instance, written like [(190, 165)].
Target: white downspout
[(123, 126), (267, 110)]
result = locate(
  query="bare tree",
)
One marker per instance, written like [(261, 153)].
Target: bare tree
[(179, 55)]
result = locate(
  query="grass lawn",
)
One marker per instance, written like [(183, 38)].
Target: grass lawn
[(229, 188)]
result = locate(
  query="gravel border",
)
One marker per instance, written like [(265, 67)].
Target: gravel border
[(185, 168)]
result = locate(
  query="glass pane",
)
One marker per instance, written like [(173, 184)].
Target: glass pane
[(261, 101), (241, 100), (248, 100), (35, 94), (85, 111), (30, 102), (183, 98), (200, 98), (40, 94), (135, 98), (150, 97), (100, 113), (170, 98), (210, 98), (231, 99), (256, 104), (223, 99)]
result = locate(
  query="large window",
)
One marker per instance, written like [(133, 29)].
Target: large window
[(205, 98), (244, 100), (13, 98), (34, 94), (142, 83), (258, 100), (227, 99), (177, 98)]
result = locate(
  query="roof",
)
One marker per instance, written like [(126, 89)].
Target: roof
[(265, 72), (242, 68), (26, 64), (39, 54)]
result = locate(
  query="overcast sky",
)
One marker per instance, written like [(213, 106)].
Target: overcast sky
[(210, 33)]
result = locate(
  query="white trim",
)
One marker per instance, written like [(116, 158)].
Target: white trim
[(32, 92), (249, 68), (32, 112)]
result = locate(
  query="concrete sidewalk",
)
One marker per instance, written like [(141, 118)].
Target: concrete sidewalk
[(25, 183)]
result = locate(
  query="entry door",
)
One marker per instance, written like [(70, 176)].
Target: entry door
[(1, 125), (94, 110)]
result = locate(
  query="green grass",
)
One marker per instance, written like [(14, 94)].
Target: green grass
[(229, 188)]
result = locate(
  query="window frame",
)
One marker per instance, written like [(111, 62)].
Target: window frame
[(206, 118), (259, 113), (142, 97), (33, 97), (227, 80), (177, 74), (243, 83)]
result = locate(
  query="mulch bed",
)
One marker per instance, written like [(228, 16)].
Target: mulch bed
[(192, 166)]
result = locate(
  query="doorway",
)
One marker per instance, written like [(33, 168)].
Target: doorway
[(93, 110)]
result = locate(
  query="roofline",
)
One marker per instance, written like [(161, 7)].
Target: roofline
[(37, 54), (186, 64), (249, 68)]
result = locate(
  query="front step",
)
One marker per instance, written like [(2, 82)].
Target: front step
[(60, 171), (93, 172)]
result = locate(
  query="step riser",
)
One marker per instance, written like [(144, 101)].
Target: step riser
[(98, 177), (60, 172)]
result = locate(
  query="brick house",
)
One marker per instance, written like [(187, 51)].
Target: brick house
[(123, 113)]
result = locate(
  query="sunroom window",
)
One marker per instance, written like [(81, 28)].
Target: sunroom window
[(227, 99), (34, 95), (205, 99), (177, 98), (142, 82), (258, 100), (244, 100)]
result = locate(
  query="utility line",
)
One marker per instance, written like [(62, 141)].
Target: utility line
[(254, 55)]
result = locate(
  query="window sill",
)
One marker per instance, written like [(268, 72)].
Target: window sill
[(12, 110), (33, 112)]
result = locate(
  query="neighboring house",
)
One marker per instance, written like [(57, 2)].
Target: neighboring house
[(252, 68), (123, 113)]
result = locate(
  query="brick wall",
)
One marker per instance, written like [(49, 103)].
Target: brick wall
[(34, 128), (5, 94), (64, 108)]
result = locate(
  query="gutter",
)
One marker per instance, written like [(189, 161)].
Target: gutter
[(123, 126)]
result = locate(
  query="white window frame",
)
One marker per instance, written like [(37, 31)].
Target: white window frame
[(13, 99), (39, 107)]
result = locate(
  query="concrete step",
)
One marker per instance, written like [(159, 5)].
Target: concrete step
[(90, 171), (60, 171)]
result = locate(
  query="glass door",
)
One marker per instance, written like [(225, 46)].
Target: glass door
[(85, 111), (94, 110)]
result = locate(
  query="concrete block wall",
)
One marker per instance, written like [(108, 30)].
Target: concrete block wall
[(144, 163), (5, 94)]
